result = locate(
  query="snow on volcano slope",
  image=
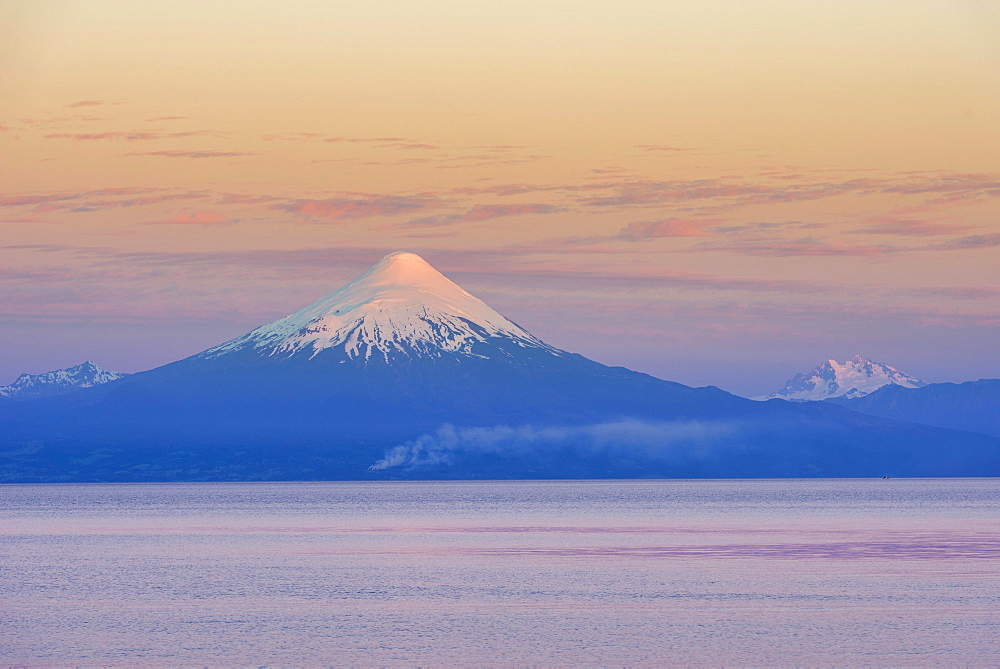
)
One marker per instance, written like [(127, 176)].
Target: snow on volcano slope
[(84, 375), (400, 307), (398, 357), (857, 377)]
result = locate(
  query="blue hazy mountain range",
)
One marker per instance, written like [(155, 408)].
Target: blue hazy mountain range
[(402, 374), (973, 405)]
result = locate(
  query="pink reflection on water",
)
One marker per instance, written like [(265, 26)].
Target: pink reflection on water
[(662, 574)]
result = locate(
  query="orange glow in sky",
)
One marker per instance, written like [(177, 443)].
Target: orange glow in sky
[(716, 193)]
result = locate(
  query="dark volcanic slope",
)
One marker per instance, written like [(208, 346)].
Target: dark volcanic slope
[(404, 370), (195, 420)]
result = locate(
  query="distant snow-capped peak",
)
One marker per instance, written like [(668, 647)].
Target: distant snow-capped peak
[(85, 375), (400, 307), (857, 377)]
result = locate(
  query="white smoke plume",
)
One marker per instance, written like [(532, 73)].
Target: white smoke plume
[(627, 437)]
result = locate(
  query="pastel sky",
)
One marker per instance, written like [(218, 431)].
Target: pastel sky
[(713, 192)]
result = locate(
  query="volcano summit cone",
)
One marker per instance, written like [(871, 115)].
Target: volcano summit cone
[(402, 306)]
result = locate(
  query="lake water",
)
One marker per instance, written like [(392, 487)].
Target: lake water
[(858, 572)]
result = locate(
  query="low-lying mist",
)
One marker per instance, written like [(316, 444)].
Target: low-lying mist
[(629, 437)]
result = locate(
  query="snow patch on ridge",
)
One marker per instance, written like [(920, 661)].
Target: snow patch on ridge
[(84, 375), (401, 306), (857, 377)]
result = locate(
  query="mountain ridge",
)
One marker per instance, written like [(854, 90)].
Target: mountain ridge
[(483, 399), (856, 377), (57, 382), (972, 405)]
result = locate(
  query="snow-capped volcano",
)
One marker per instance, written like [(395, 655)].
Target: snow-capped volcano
[(855, 378), (400, 307), (58, 382), (404, 371)]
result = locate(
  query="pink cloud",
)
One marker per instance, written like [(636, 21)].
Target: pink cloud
[(494, 266), (968, 243), (645, 193), (664, 148), (244, 198), (52, 122), (115, 201), (127, 136), (131, 136), (500, 147), (668, 227), (195, 218), (88, 103), (292, 136), (956, 292), (29, 200), (487, 160), (195, 154), (730, 192), (405, 161), (800, 247), (342, 208), (504, 190), (890, 225), (377, 140), (415, 145), (484, 212), (94, 200), (945, 183), (390, 142), (387, 142)]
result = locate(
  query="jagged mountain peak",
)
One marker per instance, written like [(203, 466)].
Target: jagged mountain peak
[(401, 306), (57, 382), (856, 377)]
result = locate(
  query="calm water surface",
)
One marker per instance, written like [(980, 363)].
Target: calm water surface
[(860, 572)]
